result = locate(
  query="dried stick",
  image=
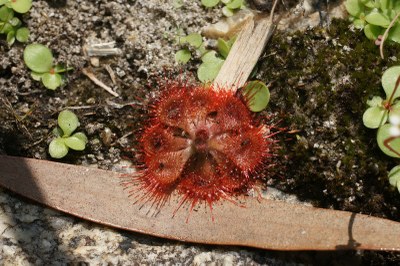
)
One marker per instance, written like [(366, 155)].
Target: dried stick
[(245, 52), (111, 73), (93, 78)]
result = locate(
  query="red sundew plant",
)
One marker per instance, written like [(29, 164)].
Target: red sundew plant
[(202, 143)]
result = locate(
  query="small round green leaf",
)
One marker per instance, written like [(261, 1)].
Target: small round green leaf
[(375, 101), (375, 117), (75, 143), (369, 3), (68, 122), (194, 39), (2, 2), (6, 14), (202, 50), (234, 4), (38, 58), (210, 57), (6, 28), (21, 6), (396, 5), (394, 33), (183, 56), (11, 37), (395, 105), (354, 7), (36, 76), (359, 23), (394, 116), (57, 132), (57, 148), (257, 95), (389, 79), (15, 22), (209, 3), (208, 71), (227, 11), (81, 136), (372, 32), (394, 177), (181, 39), (51, 81), (385, 4), (22, 34), (382, 136), (378, 19)]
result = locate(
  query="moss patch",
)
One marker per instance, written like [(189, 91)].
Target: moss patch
[(321, 80)]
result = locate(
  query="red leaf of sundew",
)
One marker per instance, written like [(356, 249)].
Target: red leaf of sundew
[(96, 195), (202, 143)]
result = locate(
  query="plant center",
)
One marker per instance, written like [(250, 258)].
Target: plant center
[(200, 142)]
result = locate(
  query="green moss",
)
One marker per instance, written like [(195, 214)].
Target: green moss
[(322, 80)]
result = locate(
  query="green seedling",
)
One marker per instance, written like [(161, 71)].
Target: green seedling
[(211, 60), (394, 177), (229, 8), (210, 66), (194, 40), (378, 112), (375, 16), (39, 59), (20, 6), (67, 124), (11, 26), (385, 115), (209, 3), (183, 56), (388, 136)]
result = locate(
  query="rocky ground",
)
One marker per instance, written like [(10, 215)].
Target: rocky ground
[(331, 161)]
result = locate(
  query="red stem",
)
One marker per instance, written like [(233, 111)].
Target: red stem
[(386, 143), (395, 90)]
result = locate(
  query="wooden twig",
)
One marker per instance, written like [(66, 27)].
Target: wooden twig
[(108, 104), (93, 78), (111, 73), (101, 49), (245, 52)]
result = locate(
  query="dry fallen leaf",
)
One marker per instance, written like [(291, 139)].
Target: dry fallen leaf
[(96, 195)]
